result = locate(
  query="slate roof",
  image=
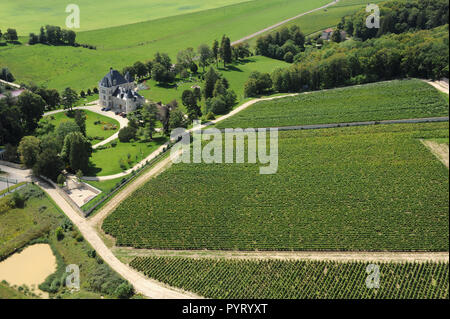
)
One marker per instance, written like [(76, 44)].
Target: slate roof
[(123, 94), (113, 78)]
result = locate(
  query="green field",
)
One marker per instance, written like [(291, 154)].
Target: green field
[(97, 132), (29, 15), (358, 188), (79, 68), (371, 102), (323, 19), (236, 74), (276, 279), (106, 161)]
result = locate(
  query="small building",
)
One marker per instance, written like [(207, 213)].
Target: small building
[(328, 33), (119, 92)]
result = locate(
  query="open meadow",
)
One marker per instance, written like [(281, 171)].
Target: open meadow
[(80, 68), (360, 188), (29, 15), (398, 99)]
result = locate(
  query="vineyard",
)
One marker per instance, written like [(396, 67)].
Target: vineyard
[(358, 188), (378, 101), (276, 279)]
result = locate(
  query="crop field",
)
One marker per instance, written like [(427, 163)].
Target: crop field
[(29, 15), (378, 101), (107, 160), (98, 127), (276, 279), (359, 188), (79, 68)]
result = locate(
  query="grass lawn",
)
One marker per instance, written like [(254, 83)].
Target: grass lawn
[(281, 279), (236, 74), (29, 15), (377, 101), (358, 188), (79, 68), (98, 132), (107, 161)]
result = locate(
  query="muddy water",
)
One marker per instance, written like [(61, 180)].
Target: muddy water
[(30, 267)]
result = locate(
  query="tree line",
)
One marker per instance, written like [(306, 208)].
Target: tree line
[(282, 45), (397, 17)]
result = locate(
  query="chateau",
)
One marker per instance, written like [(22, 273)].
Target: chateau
[(118, 92)]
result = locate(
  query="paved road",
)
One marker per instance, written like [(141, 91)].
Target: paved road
[(93, 107), (281, 23)]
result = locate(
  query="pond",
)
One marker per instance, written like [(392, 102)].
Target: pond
[(30, 267)]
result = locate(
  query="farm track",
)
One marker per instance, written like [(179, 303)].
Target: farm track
[(338, 256), (281, 23)]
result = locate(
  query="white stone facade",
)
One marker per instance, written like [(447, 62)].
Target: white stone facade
[(118, 93)]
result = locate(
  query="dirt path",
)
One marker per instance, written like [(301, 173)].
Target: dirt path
[(440, 85), (147, 287), (281, 23), (127, 253), (439, 150)]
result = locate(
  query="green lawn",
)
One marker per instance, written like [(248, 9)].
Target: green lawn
[(29, 15), (236, 74), (107, 161), (97, 132), (358, 188), (281, 279), (378, 101), (79, 68)]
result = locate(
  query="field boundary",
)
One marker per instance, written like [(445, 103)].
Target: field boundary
[(251, 36), (337, 256)]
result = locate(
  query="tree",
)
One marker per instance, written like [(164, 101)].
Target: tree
[(205, 55), (28, 150), (177, 119), (140, 68), (336, 36), (32, 108), (50, 165), (186, 57), (190, 102), (33, 39), (11, 35), (69, 98), (127, 134), (149, 116), (82, 94), (61, 179), (64, 129), (161, 74), (76, 152), (216, 51), (211, 78), (80, 120), (6, 75), (225, 50), (124, 291)]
